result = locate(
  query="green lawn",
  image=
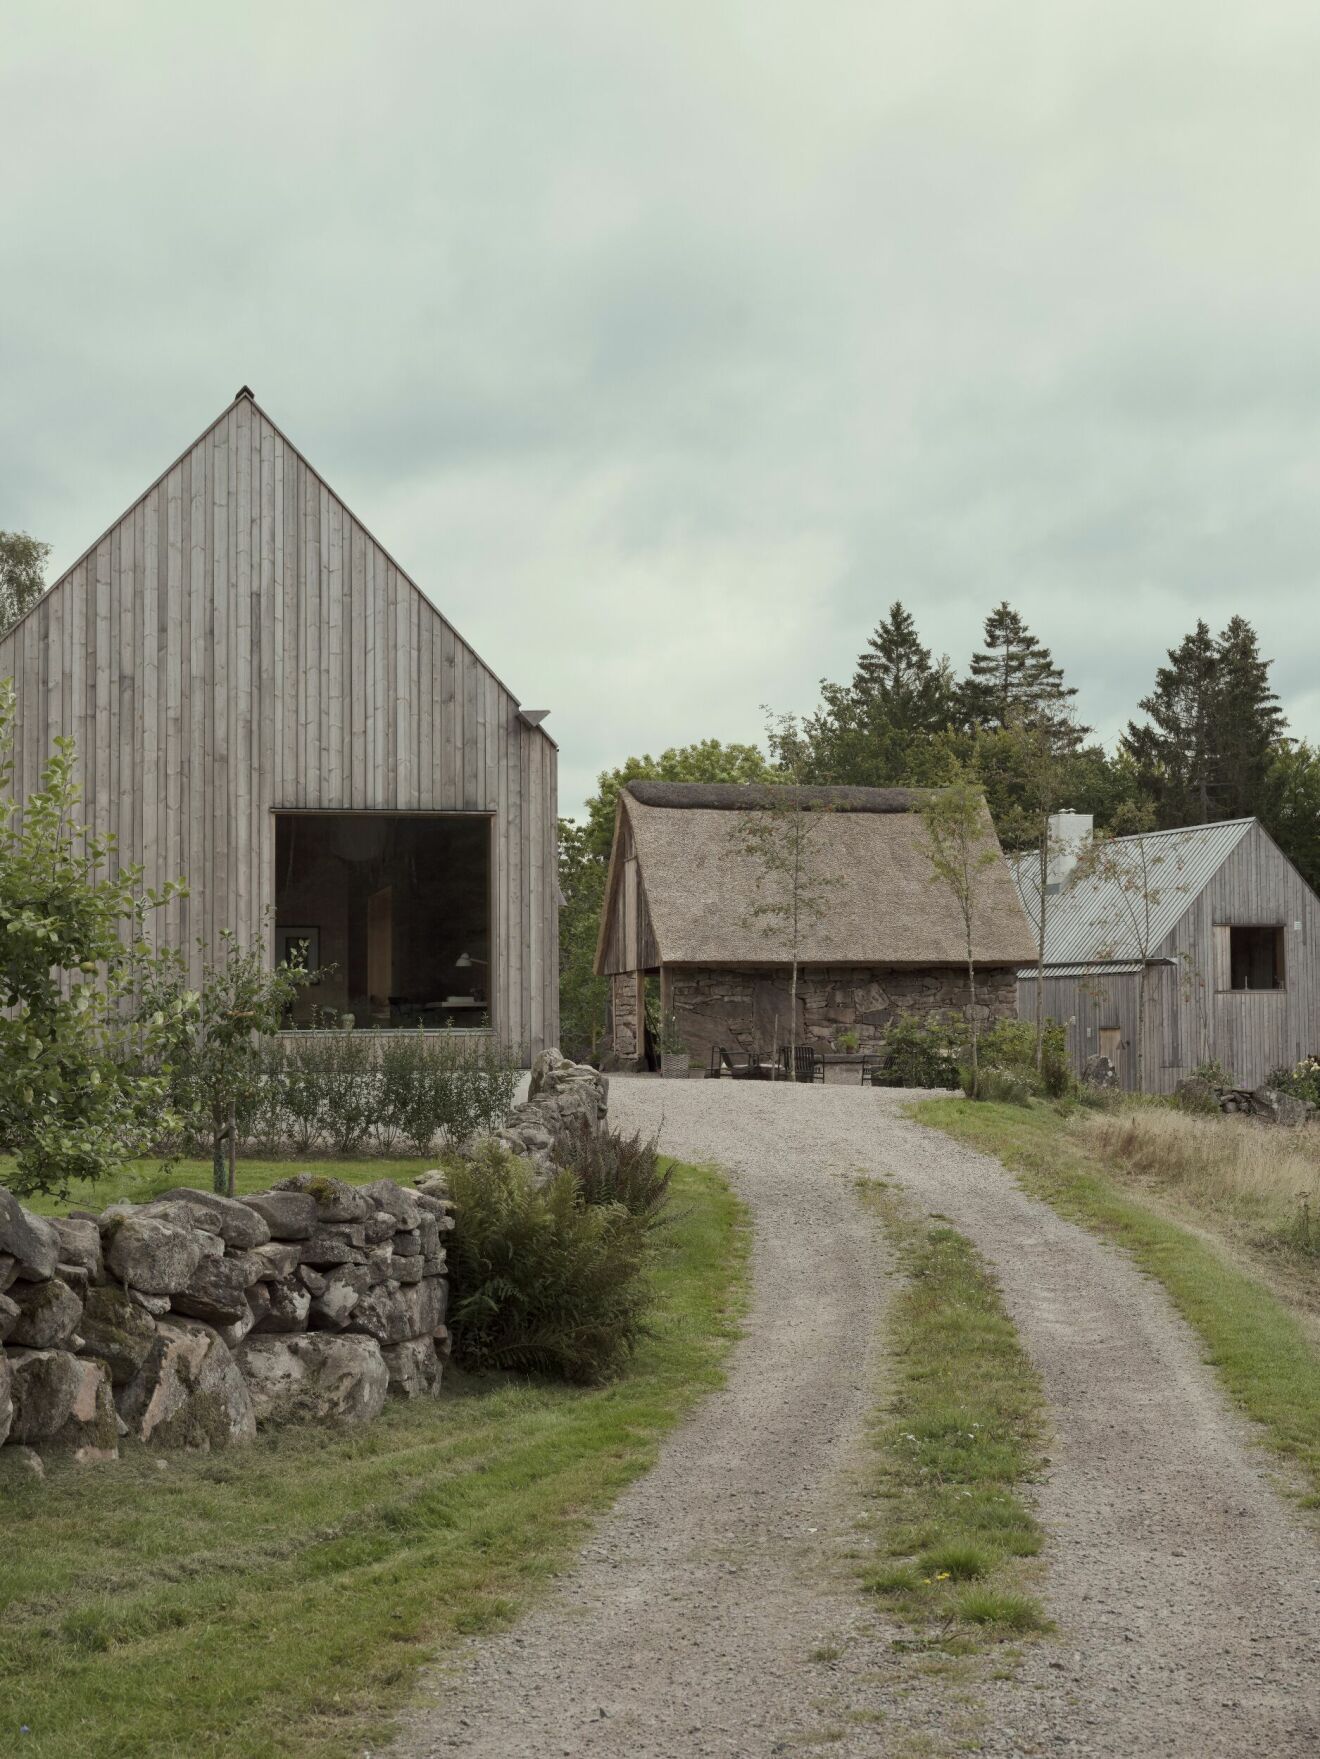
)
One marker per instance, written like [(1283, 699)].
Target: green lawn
[(1260, 1347), (144, 1179), (280, 1598), (959, 1433)]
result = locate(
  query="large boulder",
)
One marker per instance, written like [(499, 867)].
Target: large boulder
[(80, 1244), (217, 1291), (414, 1369), (149, 1252), (189, 1392), (9, 1312), (44, 1386), (29, 1239), (48, 1314), (335, 1201), (1279, 1107), (258, 1306), (290, 1215), (393, 1315), (6, 1399), (118, 1330), (317, 1377), (328, 1247), (238, 1224)]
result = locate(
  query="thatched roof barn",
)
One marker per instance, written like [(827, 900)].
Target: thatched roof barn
[(682, 902)]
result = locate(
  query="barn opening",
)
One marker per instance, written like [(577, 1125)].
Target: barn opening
[(1255, 957), (391, 911)]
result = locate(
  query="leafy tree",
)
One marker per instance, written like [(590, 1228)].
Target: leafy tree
[(960, 847), (1014, 681), (22, 575), (76, 1100), (1290, 806), (792, 884), (214, 1061), (706, 760), (582, 995)]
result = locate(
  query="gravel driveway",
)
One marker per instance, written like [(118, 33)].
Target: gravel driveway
[(713, 1614)]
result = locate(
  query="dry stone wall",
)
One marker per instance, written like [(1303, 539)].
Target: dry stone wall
[(564, 1099), (188, 1321)]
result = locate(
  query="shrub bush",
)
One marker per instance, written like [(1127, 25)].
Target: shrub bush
[(1010, 1045), (541, 1282), (612, 1168), (921, 1051), (998, 1085), (1302, 1079)]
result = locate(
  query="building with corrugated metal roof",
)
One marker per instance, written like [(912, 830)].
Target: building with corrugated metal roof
[(1212, 921)]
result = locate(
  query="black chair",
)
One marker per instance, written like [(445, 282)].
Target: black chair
[(720, 1060), (806, 1063)]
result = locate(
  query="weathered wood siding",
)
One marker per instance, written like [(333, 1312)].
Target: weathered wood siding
[(239, 644), (1193, 1014), (1251, 1032)]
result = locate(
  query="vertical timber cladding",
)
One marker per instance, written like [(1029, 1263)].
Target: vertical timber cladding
[(237, 644)]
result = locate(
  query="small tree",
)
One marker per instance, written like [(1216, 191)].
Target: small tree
[(1131, 873), (214, 1060), (22, 575), (782, 840), (77, 1093), (961, 846)]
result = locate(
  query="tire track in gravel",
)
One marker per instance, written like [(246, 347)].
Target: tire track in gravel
[(1187, 1592)]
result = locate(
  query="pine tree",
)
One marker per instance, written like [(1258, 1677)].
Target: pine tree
[(1174, 754), (1014, 681), (1214, 727), (1248, 722), (896, 677)]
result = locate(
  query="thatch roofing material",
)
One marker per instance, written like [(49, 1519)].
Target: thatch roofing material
[(745, 796), (883, 908)]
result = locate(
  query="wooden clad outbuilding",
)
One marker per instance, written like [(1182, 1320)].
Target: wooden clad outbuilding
[(1225, 930), (268, 706)]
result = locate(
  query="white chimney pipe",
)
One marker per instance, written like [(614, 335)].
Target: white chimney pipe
[(1070, 832)]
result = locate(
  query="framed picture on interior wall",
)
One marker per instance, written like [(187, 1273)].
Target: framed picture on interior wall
[(298, 946)]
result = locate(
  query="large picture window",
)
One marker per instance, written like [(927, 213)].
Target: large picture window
[(392, 910)]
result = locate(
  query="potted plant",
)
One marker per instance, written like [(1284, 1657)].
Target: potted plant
[(847, 1041), (673, 1051)]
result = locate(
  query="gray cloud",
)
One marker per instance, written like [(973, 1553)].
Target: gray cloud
[(666, 345)]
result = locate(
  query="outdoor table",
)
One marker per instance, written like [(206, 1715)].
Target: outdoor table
[(842, 1068)]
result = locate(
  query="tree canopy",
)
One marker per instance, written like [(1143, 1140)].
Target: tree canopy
[(22, 575)]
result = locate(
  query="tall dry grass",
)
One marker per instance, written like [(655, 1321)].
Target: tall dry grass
[(1258, 1172)]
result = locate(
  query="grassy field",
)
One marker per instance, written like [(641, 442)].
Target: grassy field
[(144, 1179), (279, 1599), (1263, 1348), (960, 1432)]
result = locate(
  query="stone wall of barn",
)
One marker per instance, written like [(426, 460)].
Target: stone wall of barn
[(744, 1009)]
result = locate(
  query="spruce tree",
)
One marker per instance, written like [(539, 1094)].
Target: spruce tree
[(897, 680), (1173, 752), (1214, 726), (1015, 682), (1248, 722)]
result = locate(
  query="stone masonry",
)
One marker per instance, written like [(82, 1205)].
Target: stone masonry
[(746, 1009)]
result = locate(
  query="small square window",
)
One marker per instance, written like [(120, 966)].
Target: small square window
[(1255, 957)]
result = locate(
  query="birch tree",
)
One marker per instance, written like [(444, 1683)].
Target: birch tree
[(961, 847), (792, 882)]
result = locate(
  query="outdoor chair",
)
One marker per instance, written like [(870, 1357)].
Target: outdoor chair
[(806, 1064)]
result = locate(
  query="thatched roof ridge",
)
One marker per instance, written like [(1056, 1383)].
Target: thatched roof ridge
[(749, 796), (699, 886)]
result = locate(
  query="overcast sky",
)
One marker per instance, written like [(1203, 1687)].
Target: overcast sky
[(666, 344)]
